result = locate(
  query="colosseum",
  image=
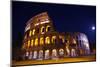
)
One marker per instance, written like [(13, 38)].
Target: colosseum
[(41, 40)]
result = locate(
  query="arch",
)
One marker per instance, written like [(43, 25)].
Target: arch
[(47, 28), (47, 54), (54, 54), (30, 33), (28, 43), (41, 41), (61, 52), (41, 54), (73, 52), (53, 39), (30, 55), (35, 55), (74, 41), (27, 53), (36, 41), (47, 40), (32, 42), (42, 30), (33, 31)]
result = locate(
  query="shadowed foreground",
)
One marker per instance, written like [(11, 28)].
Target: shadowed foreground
[(63, 60)]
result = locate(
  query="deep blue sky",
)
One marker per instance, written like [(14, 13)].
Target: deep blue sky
[(66, 18)]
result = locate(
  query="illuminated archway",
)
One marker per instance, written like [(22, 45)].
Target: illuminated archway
[(54, 54), (41, 41), (47, 54), (30, 33), (61, 52), (35, 55), (28, 43), (53, 39), (33, 31), (73, 52), (27, 54), (47, 40), (41, 54), (42, 30), (47, 28), (36, 41), (32, 42), (74, 41), (30, 55)]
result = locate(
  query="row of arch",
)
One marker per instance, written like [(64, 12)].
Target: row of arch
[(42, 30), (83, 42), (46, 54), (42, 41)]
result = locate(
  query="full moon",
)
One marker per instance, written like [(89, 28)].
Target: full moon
[(93, 27)]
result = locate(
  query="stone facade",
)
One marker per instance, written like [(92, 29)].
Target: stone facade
[(42, 41)]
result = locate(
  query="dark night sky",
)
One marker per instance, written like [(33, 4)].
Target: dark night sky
[(66, 18)]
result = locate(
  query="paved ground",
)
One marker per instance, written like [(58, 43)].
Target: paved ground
[(63, 60)]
